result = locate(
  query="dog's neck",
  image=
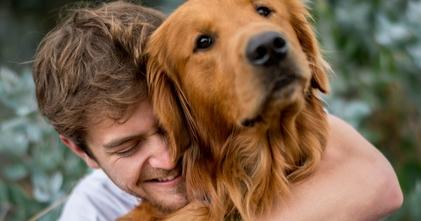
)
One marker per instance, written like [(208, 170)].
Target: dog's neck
[(273, 147), (215, 131)]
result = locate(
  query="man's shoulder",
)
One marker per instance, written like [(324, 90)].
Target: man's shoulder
[(96, 197), (97, 183)]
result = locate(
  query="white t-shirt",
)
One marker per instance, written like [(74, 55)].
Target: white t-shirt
[(97, 198)]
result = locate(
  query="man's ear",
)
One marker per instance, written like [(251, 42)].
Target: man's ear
[(92, 163)]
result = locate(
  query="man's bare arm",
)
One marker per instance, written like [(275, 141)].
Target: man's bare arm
[(354, 182)]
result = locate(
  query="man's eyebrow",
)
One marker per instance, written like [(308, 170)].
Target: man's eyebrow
[(119, 141)]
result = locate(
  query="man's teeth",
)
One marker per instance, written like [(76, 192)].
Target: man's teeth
[(165, 179)]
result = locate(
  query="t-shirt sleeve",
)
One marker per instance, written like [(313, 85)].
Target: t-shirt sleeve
[(97, 198)]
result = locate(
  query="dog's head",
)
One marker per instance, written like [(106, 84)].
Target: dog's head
[(235, 61)]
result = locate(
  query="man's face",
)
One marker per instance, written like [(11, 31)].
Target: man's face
[(135, 156)]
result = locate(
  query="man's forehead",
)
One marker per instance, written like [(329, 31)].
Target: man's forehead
[(139, 120)]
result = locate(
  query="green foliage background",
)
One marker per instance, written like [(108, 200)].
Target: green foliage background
[(373, 46)]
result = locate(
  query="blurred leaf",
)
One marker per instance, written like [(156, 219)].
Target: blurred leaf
[(15, 172), (13, 143), (47, 188), (414, 202), (17, 91)]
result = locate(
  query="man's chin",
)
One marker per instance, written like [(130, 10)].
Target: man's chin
[(169, 204), (167, 197)]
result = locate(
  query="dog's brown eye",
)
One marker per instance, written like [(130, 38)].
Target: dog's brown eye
[(263, 11), (203, 42)]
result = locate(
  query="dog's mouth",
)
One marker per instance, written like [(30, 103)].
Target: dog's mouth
[(279, 88), (283, 81)]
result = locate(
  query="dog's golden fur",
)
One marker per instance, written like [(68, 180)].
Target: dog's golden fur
[(203, 97)]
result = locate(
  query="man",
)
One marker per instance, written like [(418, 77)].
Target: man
[(90, 84)]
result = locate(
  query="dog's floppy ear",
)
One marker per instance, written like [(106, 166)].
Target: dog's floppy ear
[(167, 108), (310, 46)]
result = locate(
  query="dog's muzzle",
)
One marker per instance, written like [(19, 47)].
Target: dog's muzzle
[(274, 64)]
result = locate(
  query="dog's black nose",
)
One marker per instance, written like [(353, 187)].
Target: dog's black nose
[(266, 49)]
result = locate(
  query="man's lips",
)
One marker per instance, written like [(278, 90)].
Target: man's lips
[(161, 176), (163, 179), (168, 177), (164, 182)]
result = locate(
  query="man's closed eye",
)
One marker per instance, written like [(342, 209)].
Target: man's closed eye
[(129, 148)]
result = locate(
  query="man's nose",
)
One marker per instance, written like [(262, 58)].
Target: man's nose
[(160, 157)]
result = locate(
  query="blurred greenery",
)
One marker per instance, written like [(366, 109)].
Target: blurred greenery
[(373, 46)]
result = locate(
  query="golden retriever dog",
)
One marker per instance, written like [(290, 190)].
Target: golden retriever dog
[(236, 85)]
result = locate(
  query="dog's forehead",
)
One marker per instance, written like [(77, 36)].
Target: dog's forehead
[(205, 13), (200, 11), (202, 16)]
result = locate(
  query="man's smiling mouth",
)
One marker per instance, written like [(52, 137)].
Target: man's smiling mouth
[(164, 179)]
